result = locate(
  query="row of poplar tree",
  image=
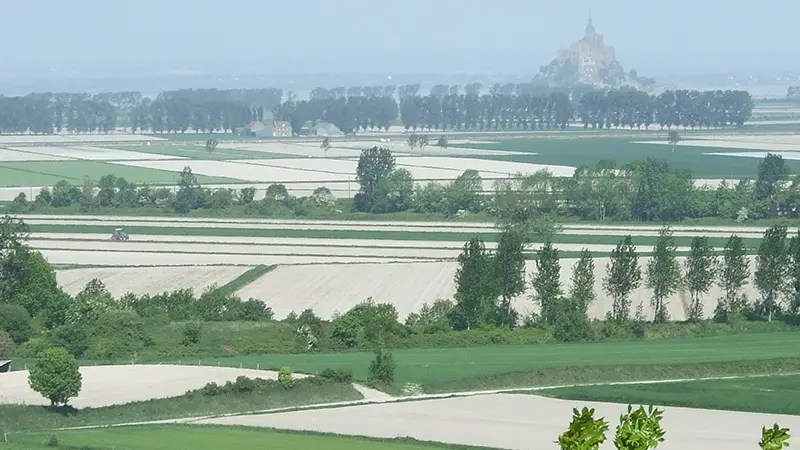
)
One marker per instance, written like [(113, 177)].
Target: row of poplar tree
[(488, 282)]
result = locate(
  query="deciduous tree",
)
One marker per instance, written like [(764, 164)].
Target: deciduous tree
[(546, 282), (509, 269), (476, 289), (623, 276), (772, 269), (734, 274), (56, 376), (663, 274), (701, 267)]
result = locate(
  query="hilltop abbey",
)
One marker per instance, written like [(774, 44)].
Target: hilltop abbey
[(588, 61)]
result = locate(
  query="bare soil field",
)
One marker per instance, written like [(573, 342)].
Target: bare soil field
[(465, 227), (145, 280), (765, 144), (144, 259), (784, 154), (330, 288), (343, 148), (517, 422), (92, 153), (114, 385), (22, 155), (75, 138)]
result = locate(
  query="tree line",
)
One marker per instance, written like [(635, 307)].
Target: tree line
[(505, 107), (648, 190)]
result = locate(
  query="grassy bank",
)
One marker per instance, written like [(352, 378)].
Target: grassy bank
[(244, 279), (273, 395), (444, 369), (779, 394), (195, 437)]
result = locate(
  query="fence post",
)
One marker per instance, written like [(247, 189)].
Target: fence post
[(258, 366)]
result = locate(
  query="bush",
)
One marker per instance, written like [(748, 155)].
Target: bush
[(285, 377), (32, 348), (6, 345), (191, 333), (15, 320), (72, 337), (337, 375), (56, 376), (381, 369), (117, 335)]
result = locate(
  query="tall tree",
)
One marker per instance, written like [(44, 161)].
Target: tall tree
[(623, 276), (475, 286), (509, 273), (374, 165), (663, 274), (772, 269), (546, 282), (794, 274), (701, 266), (582, 290), (734, 273)]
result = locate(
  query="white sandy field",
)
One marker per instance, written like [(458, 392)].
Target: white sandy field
[(328, 289), (515, 421), (144, 280), (113, 385), (92, 153), (65, 138)]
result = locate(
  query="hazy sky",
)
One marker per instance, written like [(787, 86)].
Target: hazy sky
[(518, 36)]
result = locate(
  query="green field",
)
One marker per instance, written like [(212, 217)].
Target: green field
[(195, 437), (778, 394), (568, 151), (48, 173), (436, 368), (196, 151)]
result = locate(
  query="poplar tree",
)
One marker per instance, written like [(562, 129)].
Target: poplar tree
[(701, 267), (772, 270), (623, 276), (734, 273), (546, 282), (663, 274)]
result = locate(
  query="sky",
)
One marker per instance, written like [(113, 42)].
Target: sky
[(372, 36)]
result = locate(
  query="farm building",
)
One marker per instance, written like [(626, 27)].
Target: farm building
[(282, 129), (327, 129), (255, 129)]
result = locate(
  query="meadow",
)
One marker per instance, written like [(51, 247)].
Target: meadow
[(197, 437), (777, 394), (48, 173), (575, 151), (449, 369)]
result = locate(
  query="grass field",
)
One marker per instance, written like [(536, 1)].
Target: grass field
[(645, 243), (304, 392), (48, 173), (195, 437), (437, 369), (568, 151), (193, 151), (779, 394)]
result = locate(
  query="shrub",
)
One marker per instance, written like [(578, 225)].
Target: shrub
[(56, 376), (337, 375), (639, 429), (117, 335), (774, 438), (381, 369), (52, 442), (72, 337), (585, 432), (244, 385), (15, 320), (191, 333), (6, 345), (285, 377), (32, 348)]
